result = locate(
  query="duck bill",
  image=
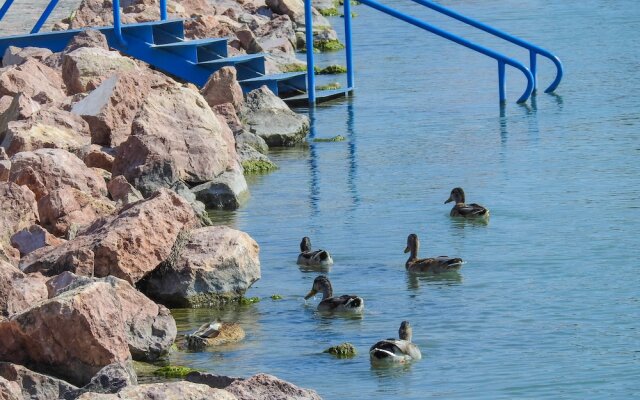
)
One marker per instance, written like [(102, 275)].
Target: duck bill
[(310, 294), (407, 249), (449, 200)]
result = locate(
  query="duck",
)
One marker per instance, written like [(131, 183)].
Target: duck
[(433, 265), (396, 350), (461, 209), (214, 333), (317, 258), (344, 303)]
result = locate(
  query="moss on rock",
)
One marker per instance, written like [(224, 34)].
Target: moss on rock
[(344, 350), (329, 12), (331, 70), (294, 67), (258, 166), (249, 300), (329, 86), (275, 297), (328, 45), (338, 138), (173, 371)]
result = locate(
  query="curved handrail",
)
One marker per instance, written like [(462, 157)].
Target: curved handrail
[(502, 59), (533, 49)]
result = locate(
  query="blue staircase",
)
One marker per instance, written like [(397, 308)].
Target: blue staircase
[(162, 45)]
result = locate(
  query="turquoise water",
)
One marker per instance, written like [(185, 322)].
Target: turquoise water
[(548, 303)]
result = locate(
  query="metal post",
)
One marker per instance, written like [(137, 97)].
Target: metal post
[(44, 16), (501, 78), (117, 26), (163, 10), (5, 7), (311, 78), (347, 38), (533, 67)]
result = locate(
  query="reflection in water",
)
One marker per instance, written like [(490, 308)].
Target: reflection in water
[(314, 193), (353, 166), (315, 268), (451, 278)]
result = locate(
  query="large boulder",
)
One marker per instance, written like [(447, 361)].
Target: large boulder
[(208, 266), (86, 68), (128, 245), (19, 291), (14, 108), (175, 136), (293, 8), (122, 192), (35, 80), (45, 170), (18, 210), (228, 191), (71, 336), (87, 38), (50, 128), (16, 55), (164, 391), (33, 238), (223, 87), (269, 117), (268, 387), (111, 108), (150, 329), (34, 385)]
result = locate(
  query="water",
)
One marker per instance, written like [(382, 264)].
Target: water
[(547, 305)]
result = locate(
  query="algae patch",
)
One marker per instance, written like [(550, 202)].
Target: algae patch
[(173, 371), (328, 45), (258, 166), (275, 297), (294, 67), (329, 12), (338, 138), (344, 350), (329, 86), (249, 300), (331, 70)]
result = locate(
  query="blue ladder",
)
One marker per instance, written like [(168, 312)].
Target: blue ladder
[(530, 74), (162, 45)]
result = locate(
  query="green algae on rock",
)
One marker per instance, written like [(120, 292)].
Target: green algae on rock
[(329, 86), (338, 138), (249, 300), (294, 67), (258, 166), (173, 371), (329, 12), (331, 70), (275, 297), (344, 350), (328, 45)]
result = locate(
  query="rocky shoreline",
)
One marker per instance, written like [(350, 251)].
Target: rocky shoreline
[(107, 168)]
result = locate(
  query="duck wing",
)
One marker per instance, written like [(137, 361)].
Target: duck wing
[(344, 302), (313, 257), (394, 348), (436, 265), (469, 210)]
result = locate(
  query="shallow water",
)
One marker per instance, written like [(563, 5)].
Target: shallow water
[(547, 305)]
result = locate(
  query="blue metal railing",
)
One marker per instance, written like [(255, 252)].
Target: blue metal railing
[(117, 25), (502, 60)]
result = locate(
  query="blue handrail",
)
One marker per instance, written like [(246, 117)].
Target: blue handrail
[(502, 59), (5, 7), (533, 49), (44, 16), (311, 77)]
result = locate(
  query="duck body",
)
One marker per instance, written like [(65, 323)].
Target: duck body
[(329, 303), (215, 334), (463, 210), (434, 265), (395, 351), (317, 258)]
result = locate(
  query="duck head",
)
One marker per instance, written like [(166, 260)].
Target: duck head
[(457, 196), (305, 245), (405, 332), (320, 284), (413, 244)]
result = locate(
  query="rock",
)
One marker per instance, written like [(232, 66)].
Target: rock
[(15, 108), (228, 113), (248, 41), (16, 55), (95, 156), (19, 291), (343, 350), (269, 117), (45, 170), (214, 334), (110, 379), (87, 38), (18, 210), (33, 238), (277, 35), (254, 162), (111, 108), (228, 191), (252, 140), (293, 8), (34, 385), (223, 87), (3, 154), (71, 336), (122, 192), (175, 136), (149, 327), (51, 128), (160, 391), (267, 387), (198, 207), (9, 390), (86, 68), (212, 380), (35, 80), (5, 167), (208, 26), (68, 209), (128, 245), (209, 266)]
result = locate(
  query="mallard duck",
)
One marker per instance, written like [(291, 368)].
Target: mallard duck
[(434, 265), (344, 303), (461, 209), (396, 350), (318, 258), (214, 334)]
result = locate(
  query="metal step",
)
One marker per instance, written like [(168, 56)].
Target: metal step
[(200, 50), (287, 84), (321, 96), (156, 32), (248, 66)]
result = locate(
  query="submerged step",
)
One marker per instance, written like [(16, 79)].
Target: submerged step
[(290, 83)]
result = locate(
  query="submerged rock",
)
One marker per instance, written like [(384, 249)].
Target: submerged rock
[(228, 191), (344, 350), (269, 117), (211, 265)]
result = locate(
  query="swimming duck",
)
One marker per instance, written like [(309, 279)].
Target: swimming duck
[(344, 303), (318, 258), (461, 209), (396, 350), (434, 265)]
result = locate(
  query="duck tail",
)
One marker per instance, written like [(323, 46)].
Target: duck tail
[(380, 354), (356, 302), (323, 255)]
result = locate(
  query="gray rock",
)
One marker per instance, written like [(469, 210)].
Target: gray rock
[(111, 379), (269, 117), (87, 38), (211, 380), (254, 162), (228, 191), (34, 385), (122, 192), (199, 207), (33, 238), (16, 55), (251, 140)]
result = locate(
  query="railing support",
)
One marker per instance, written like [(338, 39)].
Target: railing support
[(349, 48), (117, 25), (311, 78), (533, 67), (501, 82), (44, 16), (163, 10)]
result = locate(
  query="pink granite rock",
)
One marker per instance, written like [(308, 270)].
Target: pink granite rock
[(35, 80), (19, 291), (223, 87)]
